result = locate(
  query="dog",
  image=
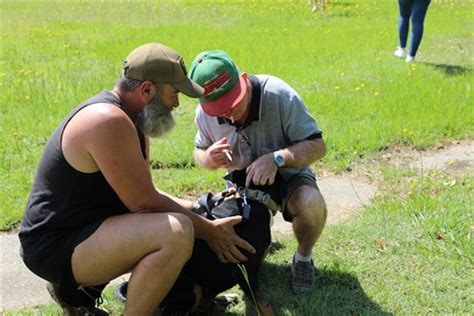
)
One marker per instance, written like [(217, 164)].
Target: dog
[(318, 5), (204, 276)]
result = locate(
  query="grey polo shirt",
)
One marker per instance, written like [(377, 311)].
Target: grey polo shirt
[(278, 118)]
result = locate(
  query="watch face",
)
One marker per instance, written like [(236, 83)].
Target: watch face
[(279, 160)]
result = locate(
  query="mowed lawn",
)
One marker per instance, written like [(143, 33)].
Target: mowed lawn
[(410, 251)]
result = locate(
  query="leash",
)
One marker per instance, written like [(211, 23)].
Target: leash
[(261, 197), (246, 277)]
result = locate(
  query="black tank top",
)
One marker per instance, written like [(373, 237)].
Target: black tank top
[(63, 199)]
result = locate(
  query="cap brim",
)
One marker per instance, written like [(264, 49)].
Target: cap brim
[(228, 100), (189, 88)]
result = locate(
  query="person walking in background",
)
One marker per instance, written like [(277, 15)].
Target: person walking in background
[(260, 124), (416, 10)]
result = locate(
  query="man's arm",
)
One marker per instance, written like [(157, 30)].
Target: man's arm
[(102, 137), (215, 156), (301, 154), (202, 158), (219, 234)]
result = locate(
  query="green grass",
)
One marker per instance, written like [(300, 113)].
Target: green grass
[(55, 55), (409, 252)]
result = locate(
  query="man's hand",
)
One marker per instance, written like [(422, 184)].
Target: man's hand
[(262, 171), (224, 241), (219, 154)]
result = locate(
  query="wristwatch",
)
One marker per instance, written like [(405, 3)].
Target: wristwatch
[(278, 159)]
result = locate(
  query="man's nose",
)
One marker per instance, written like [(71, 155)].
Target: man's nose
[(175, 103), (229, 113)]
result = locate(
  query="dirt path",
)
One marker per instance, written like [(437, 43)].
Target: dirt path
[(347, 194)]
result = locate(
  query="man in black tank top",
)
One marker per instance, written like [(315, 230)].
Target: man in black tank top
[(93, 212)]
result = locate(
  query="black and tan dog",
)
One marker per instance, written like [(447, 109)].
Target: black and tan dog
[(204, 276)]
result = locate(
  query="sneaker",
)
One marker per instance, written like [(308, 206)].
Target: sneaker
[(410, 59), (400, 53), (69, 310), (120, 292), (302, 276)]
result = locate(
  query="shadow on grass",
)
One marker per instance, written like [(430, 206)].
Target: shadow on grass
[(450, 70), (335, 293)]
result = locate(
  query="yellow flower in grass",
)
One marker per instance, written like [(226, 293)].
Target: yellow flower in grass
[(376, 94), (337, 88)]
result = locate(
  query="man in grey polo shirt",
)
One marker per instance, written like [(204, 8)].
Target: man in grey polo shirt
[(260, 123)]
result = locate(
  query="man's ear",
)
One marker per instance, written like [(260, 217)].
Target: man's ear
[(147, 90)]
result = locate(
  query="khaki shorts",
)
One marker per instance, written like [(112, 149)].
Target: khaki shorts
[(294, 183)]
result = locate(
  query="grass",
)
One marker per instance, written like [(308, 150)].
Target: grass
[(410, 251), (341, 64)]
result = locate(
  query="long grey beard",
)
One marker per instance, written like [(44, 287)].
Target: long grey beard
[(154, 119)]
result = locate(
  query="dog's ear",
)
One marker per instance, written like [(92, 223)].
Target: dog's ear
[(237, 177)]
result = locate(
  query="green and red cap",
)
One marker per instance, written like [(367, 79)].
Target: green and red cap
[(224, 86)]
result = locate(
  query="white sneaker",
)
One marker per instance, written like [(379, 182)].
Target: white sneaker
[(410, 59), (400, 53)]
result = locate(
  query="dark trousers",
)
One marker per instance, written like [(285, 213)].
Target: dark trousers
[(416, 10)]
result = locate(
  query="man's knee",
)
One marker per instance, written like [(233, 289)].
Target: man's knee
[(182, 223), (318, 205), (306, 202), (182, 233)]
